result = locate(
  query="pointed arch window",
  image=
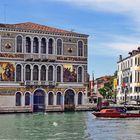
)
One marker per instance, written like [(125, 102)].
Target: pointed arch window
[(35, 73), (18, 99), (58, 74), (28, 73), (59, 47), (27, 98), (50, 46), (35, 45), (18, 73), (80, 76), (50, 73), (43, 73), (28, 45), (50, 98), (43, 45), (19, 44), (80, 48)]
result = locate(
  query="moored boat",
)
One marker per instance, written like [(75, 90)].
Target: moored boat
[(115, 113)]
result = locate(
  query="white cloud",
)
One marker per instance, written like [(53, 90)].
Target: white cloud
[(126, 7), (107, 5), (123, 47), (118, 44)]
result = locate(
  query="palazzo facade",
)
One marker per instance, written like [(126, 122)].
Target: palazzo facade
[(42, 68), (129, 77)]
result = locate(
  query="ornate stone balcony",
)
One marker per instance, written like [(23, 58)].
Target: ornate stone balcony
[(40, 57)]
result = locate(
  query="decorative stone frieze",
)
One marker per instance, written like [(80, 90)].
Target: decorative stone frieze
[(71, 46), (7, 45)]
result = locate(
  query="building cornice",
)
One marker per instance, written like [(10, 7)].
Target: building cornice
[(45, 32)]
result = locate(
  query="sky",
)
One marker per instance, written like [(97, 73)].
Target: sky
[(113, 26)]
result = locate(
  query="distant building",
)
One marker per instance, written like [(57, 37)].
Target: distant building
[(95, 85), (129, 77), (101, 81), (42, 68)]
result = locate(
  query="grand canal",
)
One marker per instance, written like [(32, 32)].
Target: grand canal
[(67, 126)]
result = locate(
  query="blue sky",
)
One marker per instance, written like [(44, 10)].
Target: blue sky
[(113, 26)]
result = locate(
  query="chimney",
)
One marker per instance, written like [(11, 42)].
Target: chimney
[(120, 58)]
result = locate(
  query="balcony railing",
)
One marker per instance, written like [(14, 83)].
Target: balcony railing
[(28, 83)]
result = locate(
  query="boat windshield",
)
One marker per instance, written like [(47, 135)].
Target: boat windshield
[(121, 110)]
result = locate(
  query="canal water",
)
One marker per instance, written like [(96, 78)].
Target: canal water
[(67, 126)]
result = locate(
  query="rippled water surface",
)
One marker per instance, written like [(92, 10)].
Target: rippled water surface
[(67, 126)]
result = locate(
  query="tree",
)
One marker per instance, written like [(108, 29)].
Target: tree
[(107, 91)]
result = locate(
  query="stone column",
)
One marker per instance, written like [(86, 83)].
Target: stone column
[(39, 74), (31, 45), (76, 99), (54, 99), (23, 100), (31, 73)]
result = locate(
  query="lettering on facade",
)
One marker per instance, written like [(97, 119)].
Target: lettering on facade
[(7, 92), (11, 55), (71, 58)]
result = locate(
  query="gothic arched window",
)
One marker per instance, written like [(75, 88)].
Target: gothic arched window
[(43, 45), (19, 44), (28, 45), (59, 47), (28, 72), (50, 73), (43, 73), (80, 76), (18, 73), (50, 46), (35, 73), (80, 48), (58, 74), (35, 45)]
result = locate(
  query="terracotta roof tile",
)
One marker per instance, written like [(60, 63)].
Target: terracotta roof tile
[(37, 27)]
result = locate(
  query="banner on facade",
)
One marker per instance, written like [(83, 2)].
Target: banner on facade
[(115, 84)]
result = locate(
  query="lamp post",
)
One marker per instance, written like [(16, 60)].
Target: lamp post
[(125, 96), (125, 90), (115, 96)]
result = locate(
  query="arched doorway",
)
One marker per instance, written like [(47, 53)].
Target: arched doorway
[(69, 100), (39, 101)]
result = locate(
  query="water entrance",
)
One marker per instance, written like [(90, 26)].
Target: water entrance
[(39, 101), (69, 100)]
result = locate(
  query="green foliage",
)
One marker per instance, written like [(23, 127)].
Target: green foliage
[(107, 90)]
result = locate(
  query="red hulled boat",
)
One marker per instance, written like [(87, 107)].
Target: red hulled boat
[(115, 113)]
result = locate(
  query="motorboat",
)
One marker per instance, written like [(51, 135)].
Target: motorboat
[(115, 113)]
